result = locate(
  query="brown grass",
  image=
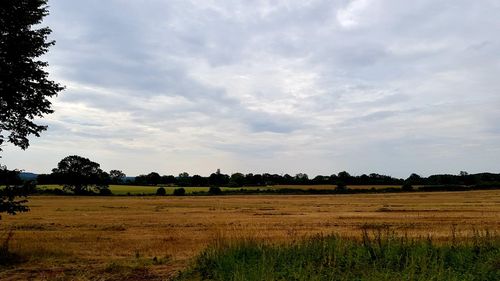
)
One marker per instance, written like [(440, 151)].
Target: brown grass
[(120, 238)]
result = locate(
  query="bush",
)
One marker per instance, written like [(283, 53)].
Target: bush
[(161, 191), (214, 190), (407, 187), (105, 192), (449, 187), (341, 187), (179, 192), (6, 256)]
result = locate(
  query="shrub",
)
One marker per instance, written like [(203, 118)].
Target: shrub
[(214, 190), (6, 256), (341, 187), (407, 187), (179, 192), (105, 192), (161, 191)]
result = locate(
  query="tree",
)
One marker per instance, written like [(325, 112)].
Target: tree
[(236, 180), (153, 178), (218, 179), (24, 85), (198, 180), (301, 178), (184, 179), (80, 175), (345, 177), (414, 179), (11, 195), (116, 176)]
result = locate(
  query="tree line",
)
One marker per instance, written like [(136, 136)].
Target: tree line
[(78, 173)]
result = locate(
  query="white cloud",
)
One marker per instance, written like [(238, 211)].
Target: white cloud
[(289, 86), (352, 14)]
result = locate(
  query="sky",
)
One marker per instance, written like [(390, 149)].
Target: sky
[(318, 87)]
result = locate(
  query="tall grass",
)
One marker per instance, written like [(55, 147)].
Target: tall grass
[(379, 255)]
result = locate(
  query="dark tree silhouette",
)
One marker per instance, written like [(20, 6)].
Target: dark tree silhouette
[(414, 179), (179, 192), (116, 176), (161, 191), (11, 195), (214, 190), (24, 85), (80, 175), (153, 178), (237, 180)]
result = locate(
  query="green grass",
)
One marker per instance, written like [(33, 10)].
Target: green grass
[(148, 190), (134, 189), (376, 257)]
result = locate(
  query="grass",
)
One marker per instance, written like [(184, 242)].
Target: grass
[(151, 190), (66, 236), (377, 257), (134, 189)]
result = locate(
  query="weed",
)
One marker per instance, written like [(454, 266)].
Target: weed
[(379, 255), (6, 256)]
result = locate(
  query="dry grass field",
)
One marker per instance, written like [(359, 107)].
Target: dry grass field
[(79, 238)]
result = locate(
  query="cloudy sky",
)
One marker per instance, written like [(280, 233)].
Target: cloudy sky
[(317, 86)]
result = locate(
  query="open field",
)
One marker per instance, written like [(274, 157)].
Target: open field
[(77, 238), (147, 190)]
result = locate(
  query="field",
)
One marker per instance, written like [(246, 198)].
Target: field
[(129, 238), (149, 190)]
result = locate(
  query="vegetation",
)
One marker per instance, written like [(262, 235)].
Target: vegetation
[(161, 191), (378, 256), (14, 192), (89, 237), (81, 176), (214, 190), (407, 187), (341, 180), (24, 86), (179, 192)]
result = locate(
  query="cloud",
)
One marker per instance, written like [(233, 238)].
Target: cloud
[(351, 15), (310, 86)]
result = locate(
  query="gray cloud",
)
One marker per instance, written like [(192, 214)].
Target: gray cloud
[(313, 86)]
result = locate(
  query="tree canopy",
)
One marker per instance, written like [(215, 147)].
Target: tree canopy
[(24, 84), (12, 193), (81, 175), (25, 88), (116, 176)]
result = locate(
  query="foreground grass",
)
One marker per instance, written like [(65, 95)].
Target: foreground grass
[(374, 257), (121, 237)]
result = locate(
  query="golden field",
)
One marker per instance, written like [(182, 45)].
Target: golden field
[(92, 238)]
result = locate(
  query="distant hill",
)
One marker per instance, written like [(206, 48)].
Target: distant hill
[(27, 176)]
